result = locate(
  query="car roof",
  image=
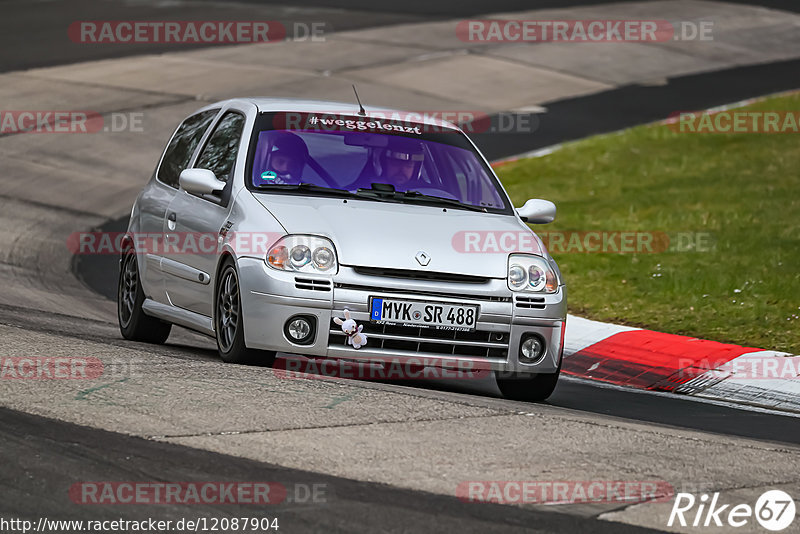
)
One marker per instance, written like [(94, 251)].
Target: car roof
[(266, 105)]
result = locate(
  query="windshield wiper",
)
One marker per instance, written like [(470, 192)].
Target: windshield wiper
[(306, 187), (387, 191), (416, 195)]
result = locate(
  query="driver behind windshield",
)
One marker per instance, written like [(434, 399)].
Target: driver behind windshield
[(286, 160), (401, 163)]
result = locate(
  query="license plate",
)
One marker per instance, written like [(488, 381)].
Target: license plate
[(427, 314)]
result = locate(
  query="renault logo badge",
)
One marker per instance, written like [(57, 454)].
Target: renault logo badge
[(423, 258)]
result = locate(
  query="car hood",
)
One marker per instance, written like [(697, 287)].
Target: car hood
[(389, 235)]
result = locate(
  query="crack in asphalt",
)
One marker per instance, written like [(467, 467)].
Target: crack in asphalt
[(82, 395), (324, 427)]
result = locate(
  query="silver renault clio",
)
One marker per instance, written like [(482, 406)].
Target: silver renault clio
[(267, 219)]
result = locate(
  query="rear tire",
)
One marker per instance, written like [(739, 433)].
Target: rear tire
[(134, 324), (228, 322), (528, 387)]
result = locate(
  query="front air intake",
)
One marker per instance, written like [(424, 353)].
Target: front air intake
[(312, 284)]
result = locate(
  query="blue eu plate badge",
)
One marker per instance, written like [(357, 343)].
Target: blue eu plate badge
[(377, 306)]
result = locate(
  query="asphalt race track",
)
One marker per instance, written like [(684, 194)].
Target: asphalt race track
[(54, 451), (43, 455)]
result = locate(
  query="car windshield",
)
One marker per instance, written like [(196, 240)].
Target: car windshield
[(443, 165)]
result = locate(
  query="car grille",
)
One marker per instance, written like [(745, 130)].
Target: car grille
[(413, 339), (410, 274)]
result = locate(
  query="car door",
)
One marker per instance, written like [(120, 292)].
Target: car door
[(194, 222), (157, 196)]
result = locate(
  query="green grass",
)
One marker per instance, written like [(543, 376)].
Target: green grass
[(744, 189)]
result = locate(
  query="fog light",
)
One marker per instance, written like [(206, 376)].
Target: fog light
[(300, 329), (531, 350)]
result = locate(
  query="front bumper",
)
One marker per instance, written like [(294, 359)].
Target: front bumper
[(270, 298)]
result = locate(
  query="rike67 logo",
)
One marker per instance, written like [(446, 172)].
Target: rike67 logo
[(774, 510)]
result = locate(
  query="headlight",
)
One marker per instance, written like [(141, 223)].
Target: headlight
[(303, 254), (299, 256), (531, 273), (323, 258), (516, 276)]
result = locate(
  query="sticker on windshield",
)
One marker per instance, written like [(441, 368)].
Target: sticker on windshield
[(334, 124), (268, 176)]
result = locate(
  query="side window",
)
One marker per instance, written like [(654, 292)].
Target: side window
[(220, 152), (182, 146)]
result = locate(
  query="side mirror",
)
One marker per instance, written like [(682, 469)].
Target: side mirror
[(200, 182), (537, 211)]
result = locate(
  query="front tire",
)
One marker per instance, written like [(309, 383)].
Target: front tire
[(229, 322), (528, 387), (134, 324)]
